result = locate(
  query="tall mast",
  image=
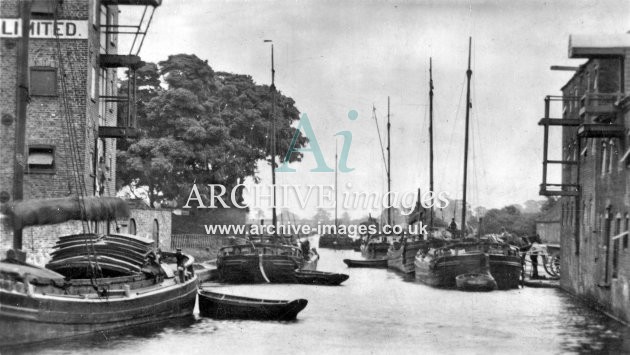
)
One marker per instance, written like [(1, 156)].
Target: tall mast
[(274, 217), (431, 138), (389, 170), (20, 121), (336, 193), (468, 104)]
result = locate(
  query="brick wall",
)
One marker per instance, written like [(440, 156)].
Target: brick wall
[(145, 219), (47, 117), (594, 221)]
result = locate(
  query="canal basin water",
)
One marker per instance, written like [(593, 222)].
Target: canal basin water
[(378, 311)]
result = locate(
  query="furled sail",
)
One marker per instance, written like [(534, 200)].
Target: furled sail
[(59, 210)]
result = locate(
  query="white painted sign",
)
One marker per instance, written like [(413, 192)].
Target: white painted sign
[(64, 29)]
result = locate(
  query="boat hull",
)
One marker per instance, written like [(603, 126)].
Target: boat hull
[(320, 278), (36, 318), (403, 257), (442, 271), (257, 268), (374, 250), (220, 306), (506, 270), (374, 263), (476, 282), (341, 242)]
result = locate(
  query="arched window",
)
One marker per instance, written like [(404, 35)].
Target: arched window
[(612, 152), (155, 232), (604, 158), (617, 224), (132, 226)]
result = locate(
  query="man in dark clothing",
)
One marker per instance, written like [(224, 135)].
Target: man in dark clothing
[(306, 247), (453, 225), (534, 255)]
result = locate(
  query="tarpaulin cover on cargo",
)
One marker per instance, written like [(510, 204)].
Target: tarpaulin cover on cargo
[(59, 210)]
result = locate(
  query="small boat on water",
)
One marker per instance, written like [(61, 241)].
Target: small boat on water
[(375, 263), (263, 261), (222, 306), (476, 282), (319, 277)]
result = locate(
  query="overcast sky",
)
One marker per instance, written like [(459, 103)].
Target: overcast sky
[(336, 56)]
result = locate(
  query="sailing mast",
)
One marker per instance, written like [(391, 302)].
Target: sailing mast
[(336, 193), (274, 217), (431, 189), (468, 104), (389, 170), (20, 122)]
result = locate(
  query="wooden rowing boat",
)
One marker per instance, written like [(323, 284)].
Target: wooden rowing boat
[(476, 282), (375, 263), (319, 277), (222, 306)]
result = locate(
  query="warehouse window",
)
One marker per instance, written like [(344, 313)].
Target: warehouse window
[(112, 36), (613, 154), (42, 9), (132, 226), (604, 158), (41, 159), (93, 84), (43, 81), (103, 27), (155, 232), (102, 104), (615, 259)]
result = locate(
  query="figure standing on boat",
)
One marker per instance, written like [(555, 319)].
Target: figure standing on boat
[(452, 227)]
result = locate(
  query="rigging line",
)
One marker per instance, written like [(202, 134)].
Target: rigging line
[(450, 143), (146, 29), (68, 112), (480, 152), (135, 37), (474, 165), (379, 138), (74, 150)]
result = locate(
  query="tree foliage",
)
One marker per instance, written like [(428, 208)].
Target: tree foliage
[(201, 127), (512, 219)]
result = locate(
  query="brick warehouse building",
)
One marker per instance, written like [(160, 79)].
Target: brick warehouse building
[(73, 63), (595, 187)]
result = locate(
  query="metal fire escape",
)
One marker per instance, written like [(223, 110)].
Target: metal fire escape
[(557, 189), (126, 126), (597, 119)]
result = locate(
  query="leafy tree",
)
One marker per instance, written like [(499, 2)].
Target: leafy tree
[(321, 216), (204, 127), (511, 218)]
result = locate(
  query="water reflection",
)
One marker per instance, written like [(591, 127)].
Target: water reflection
[(380, 311)]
